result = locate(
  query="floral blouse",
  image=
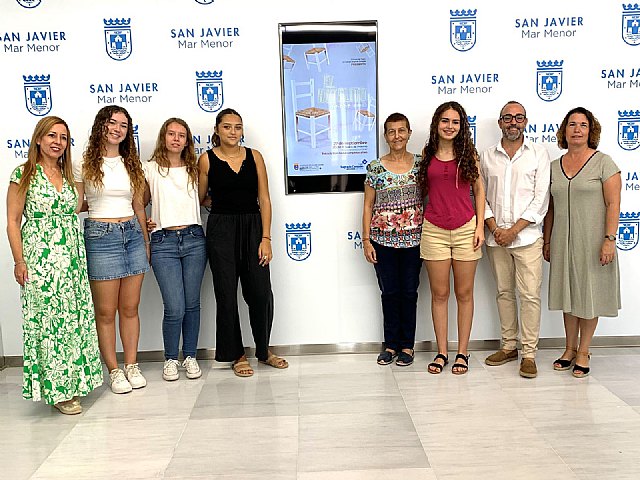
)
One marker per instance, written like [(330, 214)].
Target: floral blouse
[(397, 212)]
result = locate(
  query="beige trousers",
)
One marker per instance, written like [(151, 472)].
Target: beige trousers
[(518, 268)]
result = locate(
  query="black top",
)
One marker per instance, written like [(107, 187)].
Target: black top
[(233, 192)]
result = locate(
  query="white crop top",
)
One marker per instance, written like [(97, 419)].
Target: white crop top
[(174, 200), (114, 199)]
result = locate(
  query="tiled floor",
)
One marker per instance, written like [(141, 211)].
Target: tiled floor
[(339, 417)]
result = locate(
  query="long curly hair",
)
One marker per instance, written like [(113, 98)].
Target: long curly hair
[(594, 129), (92, 168), (43, 127), (464, 150), (188, 154)]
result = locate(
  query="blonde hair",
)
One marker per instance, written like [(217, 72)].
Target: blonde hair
[(43, 127)]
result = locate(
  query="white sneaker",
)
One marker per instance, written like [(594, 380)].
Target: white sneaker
[(134, 375), (193, 369), (119, 383), (170, 370)]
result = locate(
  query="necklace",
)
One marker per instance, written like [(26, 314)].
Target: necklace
[(51, 172), (111, 162), (232, 157)]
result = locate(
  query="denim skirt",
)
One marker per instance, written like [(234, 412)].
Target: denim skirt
[(114, 250)]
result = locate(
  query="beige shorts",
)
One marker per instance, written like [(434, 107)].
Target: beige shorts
[(439, 244)]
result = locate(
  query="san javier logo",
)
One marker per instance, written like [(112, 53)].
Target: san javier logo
[(475, 83), (631, 24), (117, 38), (29, 3), (205, 2), (298, 240), (35, 41), (462, 29), (628, 230), (37, 94), (129, 92), (549, 27), (628, 128), (205, 37), (209, 90), (621, 78), (549, 84)]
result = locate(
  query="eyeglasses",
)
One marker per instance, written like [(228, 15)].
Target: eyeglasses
[(508, 117)]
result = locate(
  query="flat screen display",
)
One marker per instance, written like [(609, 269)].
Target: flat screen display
[(329, 92)]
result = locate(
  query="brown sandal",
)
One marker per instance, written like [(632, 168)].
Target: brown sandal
[(275, 362), (242, 368)]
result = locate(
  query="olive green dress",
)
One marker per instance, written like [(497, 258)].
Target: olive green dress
[(578, 284), (61, 356)]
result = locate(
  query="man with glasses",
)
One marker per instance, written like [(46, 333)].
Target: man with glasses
[(516, 176)]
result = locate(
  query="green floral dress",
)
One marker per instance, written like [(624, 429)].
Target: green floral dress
[(61, 356)]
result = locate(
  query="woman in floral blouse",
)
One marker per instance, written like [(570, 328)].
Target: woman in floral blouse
[(391, 227)]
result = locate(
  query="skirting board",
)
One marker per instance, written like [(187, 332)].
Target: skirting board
[(370, 347)]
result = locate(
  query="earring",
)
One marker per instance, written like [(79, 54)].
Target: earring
[(242, 140)]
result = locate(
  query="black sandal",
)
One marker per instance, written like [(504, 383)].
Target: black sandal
[(405, 359), (386, 357), (578, 370), (562, 364), (461, 367), (435, 367)]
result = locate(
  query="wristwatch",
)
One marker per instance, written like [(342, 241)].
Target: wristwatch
[(610, 237)]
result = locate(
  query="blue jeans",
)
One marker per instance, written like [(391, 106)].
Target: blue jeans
[(178, 258), (398, 271)]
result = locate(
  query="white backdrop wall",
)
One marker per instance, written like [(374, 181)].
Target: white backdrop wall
[(332, 297)]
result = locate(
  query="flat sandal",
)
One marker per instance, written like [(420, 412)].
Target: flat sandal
[(434, 367), (460, 368)]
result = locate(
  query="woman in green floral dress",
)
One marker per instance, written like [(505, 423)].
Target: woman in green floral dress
[(61, 356)]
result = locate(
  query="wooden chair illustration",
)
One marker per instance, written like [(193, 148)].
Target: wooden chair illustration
[(287, 61), (317, 55), (316, 120), (366, 118)]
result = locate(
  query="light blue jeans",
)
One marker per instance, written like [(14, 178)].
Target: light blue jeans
[(178, 258)]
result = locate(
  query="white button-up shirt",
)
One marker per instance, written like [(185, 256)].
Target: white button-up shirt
[(516, 188)]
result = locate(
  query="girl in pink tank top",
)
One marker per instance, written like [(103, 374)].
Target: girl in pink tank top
[(453, 230)]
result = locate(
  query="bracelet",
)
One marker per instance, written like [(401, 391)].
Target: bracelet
[(366, 239), (494, 230), (268, 238), (147, 242), (546, 243), (19, 262)]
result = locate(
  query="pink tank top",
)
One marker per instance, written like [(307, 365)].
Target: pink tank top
[(449, 204)]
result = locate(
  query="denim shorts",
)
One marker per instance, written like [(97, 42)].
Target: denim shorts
[(114, 250)]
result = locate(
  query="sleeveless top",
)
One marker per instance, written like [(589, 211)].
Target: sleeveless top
[(233, 192), (449, 206)]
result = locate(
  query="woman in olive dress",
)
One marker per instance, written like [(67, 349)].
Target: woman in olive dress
[(580, 237)]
